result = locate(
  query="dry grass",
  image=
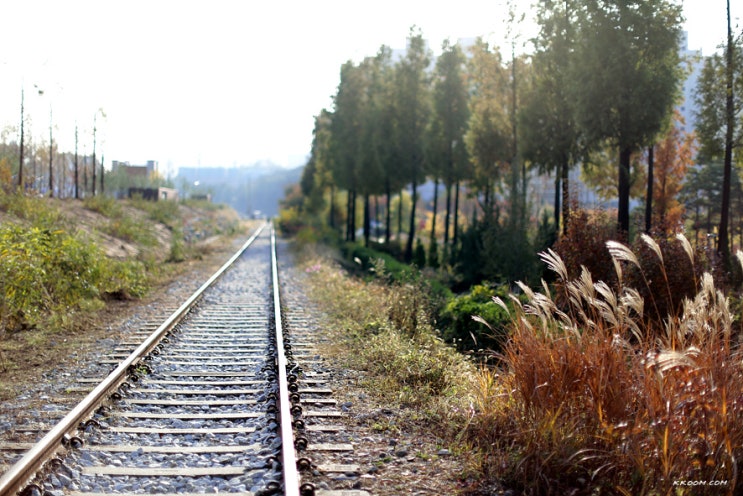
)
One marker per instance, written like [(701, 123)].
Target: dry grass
[(383, 329), (591, 401)]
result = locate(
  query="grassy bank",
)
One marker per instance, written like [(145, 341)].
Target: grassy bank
[(63, 261)]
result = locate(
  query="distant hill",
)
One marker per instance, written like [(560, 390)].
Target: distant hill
[(246, 189)]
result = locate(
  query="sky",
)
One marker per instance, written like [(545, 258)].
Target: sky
[(221, 82)]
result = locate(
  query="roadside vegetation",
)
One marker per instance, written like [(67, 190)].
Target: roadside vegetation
[(551, 218), (589, 388), (55, 269)]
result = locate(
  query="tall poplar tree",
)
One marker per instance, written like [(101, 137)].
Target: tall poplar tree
[(550, 136), (489, 137), (626, 77), (447, 155), (346, 137), (413, 110), (719, 127)]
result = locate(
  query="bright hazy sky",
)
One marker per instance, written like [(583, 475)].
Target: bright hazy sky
[(221, 82)]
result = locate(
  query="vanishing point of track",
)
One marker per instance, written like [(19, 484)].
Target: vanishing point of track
[(209, 402)]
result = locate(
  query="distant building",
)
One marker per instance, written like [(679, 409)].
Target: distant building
[(693, 61), (154, 194), (145, 171)]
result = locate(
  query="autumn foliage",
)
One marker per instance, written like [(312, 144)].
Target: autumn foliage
[(673, 156)]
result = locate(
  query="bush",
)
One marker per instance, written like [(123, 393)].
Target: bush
[(460, 328), (43, 271), (290, 221), (584, 245), (366, 259)]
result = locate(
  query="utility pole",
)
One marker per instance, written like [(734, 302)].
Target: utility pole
[(20, 162), (77, 184), (51, 151), (94, 118)]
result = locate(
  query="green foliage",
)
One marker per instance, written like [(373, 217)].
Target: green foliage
[(122, 280), (625, 79), (120, 225), (177, 246), (368, 259), (495, 250), (164, 212), (467, 334), (104, 205), (289, 221), (44, 271), (29, 208), (711, 95)]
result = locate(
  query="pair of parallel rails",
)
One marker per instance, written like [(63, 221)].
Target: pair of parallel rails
[(209, 355)]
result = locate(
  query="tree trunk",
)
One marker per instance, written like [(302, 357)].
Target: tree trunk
[(649, 194), (411, 233), (722, 241), (565, 195), (399, 217), (448, 214), (624, 189), (51, 156), (557, 201), (349, 215), (331, 220), (77, 182), (388, 214), (94, 167), (435, 207), (376, 218), (353, 215), (367, 218), (456, 215)]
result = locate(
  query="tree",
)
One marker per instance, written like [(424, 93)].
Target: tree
[(345, 141), (446, 154), (718, 121), (625, 77), (316, 174), (550, 135), (701, 194), (489, 135), (388, 152), (672, 157), (412, 112)]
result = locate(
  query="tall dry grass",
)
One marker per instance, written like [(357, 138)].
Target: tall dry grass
[(592, 400)]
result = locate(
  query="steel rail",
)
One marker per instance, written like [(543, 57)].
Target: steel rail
[(288, 457), (24, 469)]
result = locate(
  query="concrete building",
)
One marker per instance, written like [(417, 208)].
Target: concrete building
[(145, 171), (692, 62)]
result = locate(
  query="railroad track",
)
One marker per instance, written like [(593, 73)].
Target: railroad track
[(209, 401)]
